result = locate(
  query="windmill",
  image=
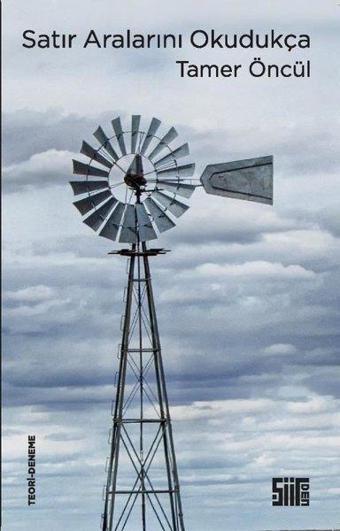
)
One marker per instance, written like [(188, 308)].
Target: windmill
[(134, 186)]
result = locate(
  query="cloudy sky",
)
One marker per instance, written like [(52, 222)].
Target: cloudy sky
[(252, 357)]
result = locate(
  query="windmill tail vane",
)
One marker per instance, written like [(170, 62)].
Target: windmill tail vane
[(133, 187)]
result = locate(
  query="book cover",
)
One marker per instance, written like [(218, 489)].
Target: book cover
[(171, 265)]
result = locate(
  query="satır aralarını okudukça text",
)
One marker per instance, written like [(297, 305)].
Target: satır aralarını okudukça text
[(198, 39)]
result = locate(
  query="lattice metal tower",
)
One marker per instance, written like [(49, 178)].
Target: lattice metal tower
[(133, 189)]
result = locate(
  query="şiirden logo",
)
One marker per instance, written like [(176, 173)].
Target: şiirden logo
[(290, 492)]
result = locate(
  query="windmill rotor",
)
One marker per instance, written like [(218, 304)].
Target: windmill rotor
[(144, 167)]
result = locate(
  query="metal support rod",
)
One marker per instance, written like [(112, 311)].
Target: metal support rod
[(114, 454), (169, 452), (141, 386)]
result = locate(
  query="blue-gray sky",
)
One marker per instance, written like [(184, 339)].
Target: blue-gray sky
[(252, 356)]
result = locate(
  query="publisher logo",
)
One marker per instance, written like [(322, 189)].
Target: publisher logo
[(291, 492)]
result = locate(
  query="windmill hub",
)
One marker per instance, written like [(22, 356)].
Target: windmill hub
[(135, 181), (134, 177)]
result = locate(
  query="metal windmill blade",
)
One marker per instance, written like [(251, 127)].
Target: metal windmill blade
[(79, 168), (129, 225), (162, 221), (164, 143), (154, 125), (135, 123), (185, 190), (117, 127), (111, 227), (172, 157), (83, 187), (170, 203), (145, 228), (91, 202), (93, 154), (99, 215), (105, 143), (186, 170)]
